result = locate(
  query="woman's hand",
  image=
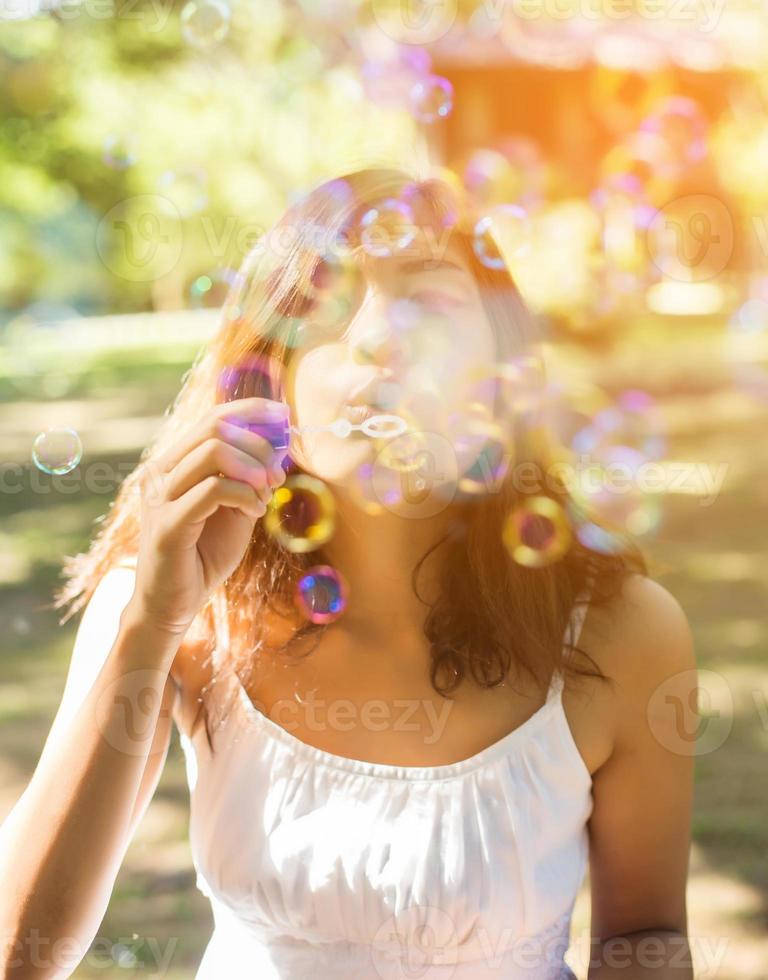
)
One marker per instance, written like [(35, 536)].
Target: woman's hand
[(200, 502)]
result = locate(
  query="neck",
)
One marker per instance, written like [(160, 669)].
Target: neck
[(377, 554)]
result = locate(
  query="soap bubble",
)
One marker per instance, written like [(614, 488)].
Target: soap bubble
[(387, 228), (483, 456), (513, 172), (57, 451), (205, 23), (431, 98), (335, 291), (503, 234), (118, 152), (633, 422), (184, 191), (537, 532), (321, 594), (301, 514), (682, 128)]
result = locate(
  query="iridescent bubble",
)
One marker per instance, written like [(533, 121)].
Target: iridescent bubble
[(537, 532), (503, 234), (435, 202), (119, 152), (321, 594), (186, 191), (57, 451), (633, 422), (205, 23), (483, 456), (389, 81), (489, 178), (415, 475), (387, 228), (639, 158), (511, 173), (210, 290), (609, 491), (431, 98), (592, 535), (423, 332), (335, 291), (301, 515), (566, 409), (681, 124), (507, 390), (406, 452)]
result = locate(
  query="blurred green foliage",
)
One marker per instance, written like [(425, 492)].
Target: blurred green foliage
[(246, 121)]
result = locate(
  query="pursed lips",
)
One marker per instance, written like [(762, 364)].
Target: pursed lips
[(357, 414)]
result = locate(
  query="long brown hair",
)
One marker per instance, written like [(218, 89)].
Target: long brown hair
[(492, 612)]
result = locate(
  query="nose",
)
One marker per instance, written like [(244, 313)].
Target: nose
[(375, 341)]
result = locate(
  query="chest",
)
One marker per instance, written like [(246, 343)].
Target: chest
[(378, 704)]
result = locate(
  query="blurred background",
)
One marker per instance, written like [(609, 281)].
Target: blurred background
[(623, 147)]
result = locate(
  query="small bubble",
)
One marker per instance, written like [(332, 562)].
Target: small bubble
[(57, 451), (205, 23)]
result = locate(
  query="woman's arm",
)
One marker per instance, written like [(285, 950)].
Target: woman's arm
[(62, 844), (641, 821)]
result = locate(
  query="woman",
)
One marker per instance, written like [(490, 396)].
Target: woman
[(441, 827)]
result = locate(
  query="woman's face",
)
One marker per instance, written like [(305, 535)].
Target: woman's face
[(416, 332)]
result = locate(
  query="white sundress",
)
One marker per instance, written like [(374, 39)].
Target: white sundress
[(322, 867)]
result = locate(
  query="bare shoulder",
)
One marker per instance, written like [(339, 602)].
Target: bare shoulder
[(640, 823), (643, 641)]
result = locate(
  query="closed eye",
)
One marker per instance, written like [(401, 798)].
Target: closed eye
[(440, 296)]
